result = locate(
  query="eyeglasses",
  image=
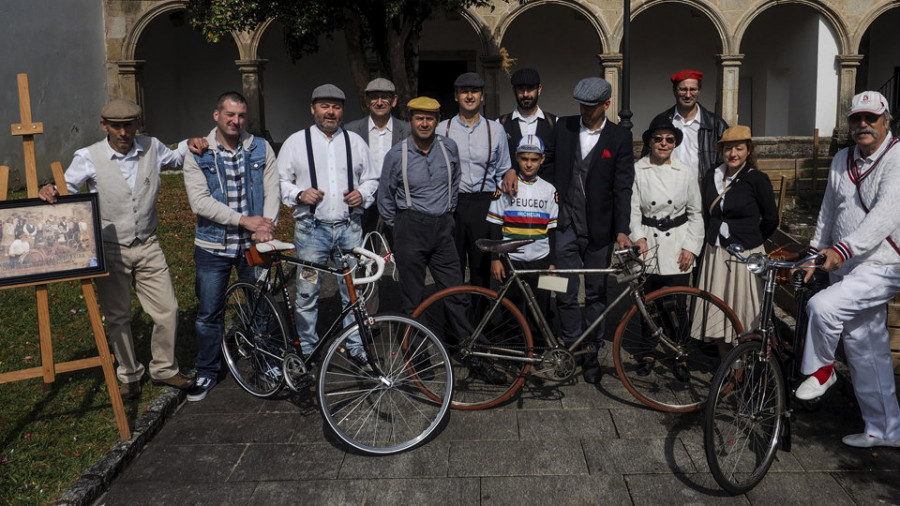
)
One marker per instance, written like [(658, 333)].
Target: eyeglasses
[(659, 139), (867, 116)]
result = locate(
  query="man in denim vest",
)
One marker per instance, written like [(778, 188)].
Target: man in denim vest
[(233, 188)]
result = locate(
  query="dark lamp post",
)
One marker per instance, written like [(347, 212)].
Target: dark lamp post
[(625, 113)]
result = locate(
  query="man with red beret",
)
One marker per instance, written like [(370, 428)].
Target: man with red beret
[(702, 129)]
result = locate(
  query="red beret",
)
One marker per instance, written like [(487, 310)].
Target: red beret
[(686, 74)]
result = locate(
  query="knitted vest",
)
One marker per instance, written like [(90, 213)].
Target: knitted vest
[(126, 215)]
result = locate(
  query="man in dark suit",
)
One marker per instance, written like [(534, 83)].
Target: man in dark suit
[(528, 118), (593, 170), (380, 130)]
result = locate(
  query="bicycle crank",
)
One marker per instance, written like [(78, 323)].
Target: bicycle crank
[(296, 376), (557, 364)]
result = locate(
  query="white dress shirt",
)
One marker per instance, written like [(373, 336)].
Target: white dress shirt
[(380, 141), (528, 124), (588, 139), (330, 157), (689, 149), (82, 168)]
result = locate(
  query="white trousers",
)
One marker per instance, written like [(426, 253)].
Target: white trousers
[(855, 305)]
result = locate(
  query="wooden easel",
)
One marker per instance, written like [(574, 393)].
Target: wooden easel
[(49, 368)]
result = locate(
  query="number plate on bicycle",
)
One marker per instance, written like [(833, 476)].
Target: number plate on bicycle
[(553, 283)]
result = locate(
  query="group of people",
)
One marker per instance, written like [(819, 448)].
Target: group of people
[(20, 234), (571, 183)]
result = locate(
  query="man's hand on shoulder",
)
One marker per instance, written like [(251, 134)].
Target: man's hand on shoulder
[(198, 145), (48, 193), (510, 184)]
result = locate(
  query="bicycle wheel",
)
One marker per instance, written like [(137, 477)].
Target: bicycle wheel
[(382, 410), (743, 421), (255, 339), (667, 360), (480, 381)]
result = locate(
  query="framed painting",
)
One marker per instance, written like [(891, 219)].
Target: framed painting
[(41, 242)]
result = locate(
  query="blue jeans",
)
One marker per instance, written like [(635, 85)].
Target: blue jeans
[(317, 241), (213, 272)]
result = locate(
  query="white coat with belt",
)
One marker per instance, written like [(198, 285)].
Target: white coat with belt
[(666, 191)]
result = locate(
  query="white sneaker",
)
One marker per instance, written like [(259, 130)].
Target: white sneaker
[(866, 441), (811, 388)]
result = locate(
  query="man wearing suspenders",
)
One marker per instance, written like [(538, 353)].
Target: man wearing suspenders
[(327, 176), (528, 118), (483, 160), (859, 233), (417, 197)]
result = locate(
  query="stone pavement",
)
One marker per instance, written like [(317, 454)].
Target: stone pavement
[(565, 444)]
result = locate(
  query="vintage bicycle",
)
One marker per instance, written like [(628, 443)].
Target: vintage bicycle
[(748, 413), (371, 399), (660, 346)]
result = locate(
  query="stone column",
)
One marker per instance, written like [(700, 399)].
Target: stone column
[(252, 89), (128, 74), (491, 65), (727, 94), (848, 64), (612, 68)]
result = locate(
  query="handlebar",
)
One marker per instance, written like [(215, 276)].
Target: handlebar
[(759, 263), (379, 266)]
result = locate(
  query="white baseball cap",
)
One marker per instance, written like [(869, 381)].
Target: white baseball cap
[(869, 101)]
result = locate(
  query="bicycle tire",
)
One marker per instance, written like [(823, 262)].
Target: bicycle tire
[(384, 413), (744, 420), (506, 337), (652, 371), (254, 344)]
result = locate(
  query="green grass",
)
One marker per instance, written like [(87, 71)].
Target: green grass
[(49, 436)]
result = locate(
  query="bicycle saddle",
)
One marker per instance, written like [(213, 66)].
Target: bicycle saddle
[(501, 246), (273, 245)]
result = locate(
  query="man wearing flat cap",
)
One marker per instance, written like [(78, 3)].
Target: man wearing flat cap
[(328, 178), (417, 196), (123, 170), (858, 231), (593, 171), (702, 129), (484, 159), (528, 118)]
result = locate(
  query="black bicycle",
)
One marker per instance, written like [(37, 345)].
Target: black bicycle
[(748, 412), (370, 374)]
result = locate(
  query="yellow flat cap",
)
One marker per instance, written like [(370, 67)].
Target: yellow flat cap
[(426, 104)]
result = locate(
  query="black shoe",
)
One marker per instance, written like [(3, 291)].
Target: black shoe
[(485, 371), (590, 371), (682, 373), (645, 367), (421, 365), (362, 362)]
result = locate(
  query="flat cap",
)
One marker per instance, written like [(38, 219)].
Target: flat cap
[(328, 91), (681, 75), (381, 84), (530, 144), (523, 77), (591, 91), (120, 109), (469, 80), (426, 104)]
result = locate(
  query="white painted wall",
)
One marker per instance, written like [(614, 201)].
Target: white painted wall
[(827, 81), (65, 63)]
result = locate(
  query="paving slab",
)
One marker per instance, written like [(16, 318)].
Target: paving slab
[(187, 464), (310, 492), (431, 460), (424, 492), (166, 492), (189, 428), (799, 488), (517, 458), (634, 456), (576, 490), (490, 424), (870, 487), (668, 489), (565, 424), (291, 461)]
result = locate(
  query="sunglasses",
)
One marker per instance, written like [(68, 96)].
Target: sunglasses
[(868, 116), (659, 139)]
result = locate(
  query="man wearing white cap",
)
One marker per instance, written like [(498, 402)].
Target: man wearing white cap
[(328, 178), (859, 233)]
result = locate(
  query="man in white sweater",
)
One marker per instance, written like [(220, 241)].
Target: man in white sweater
[(859, 233)]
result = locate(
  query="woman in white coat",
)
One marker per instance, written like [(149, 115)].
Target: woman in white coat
[(666, 217)]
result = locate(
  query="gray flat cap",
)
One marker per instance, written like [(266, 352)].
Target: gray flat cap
[(523, 77), (328, 91), (591, 91), (120, 109), (469, 80), (381, 84)]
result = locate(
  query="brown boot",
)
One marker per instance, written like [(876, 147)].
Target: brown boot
[(130, 390), (180, 381)]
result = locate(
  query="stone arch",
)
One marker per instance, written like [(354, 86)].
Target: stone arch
[(255, 39), (488, 45), (593, 18), (711, 13), (137, 29), (866, 22), (834, 19)]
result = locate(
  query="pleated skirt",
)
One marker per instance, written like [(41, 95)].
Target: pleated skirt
[(724, 276)]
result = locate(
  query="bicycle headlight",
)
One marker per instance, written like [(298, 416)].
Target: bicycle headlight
[(756, 263)]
